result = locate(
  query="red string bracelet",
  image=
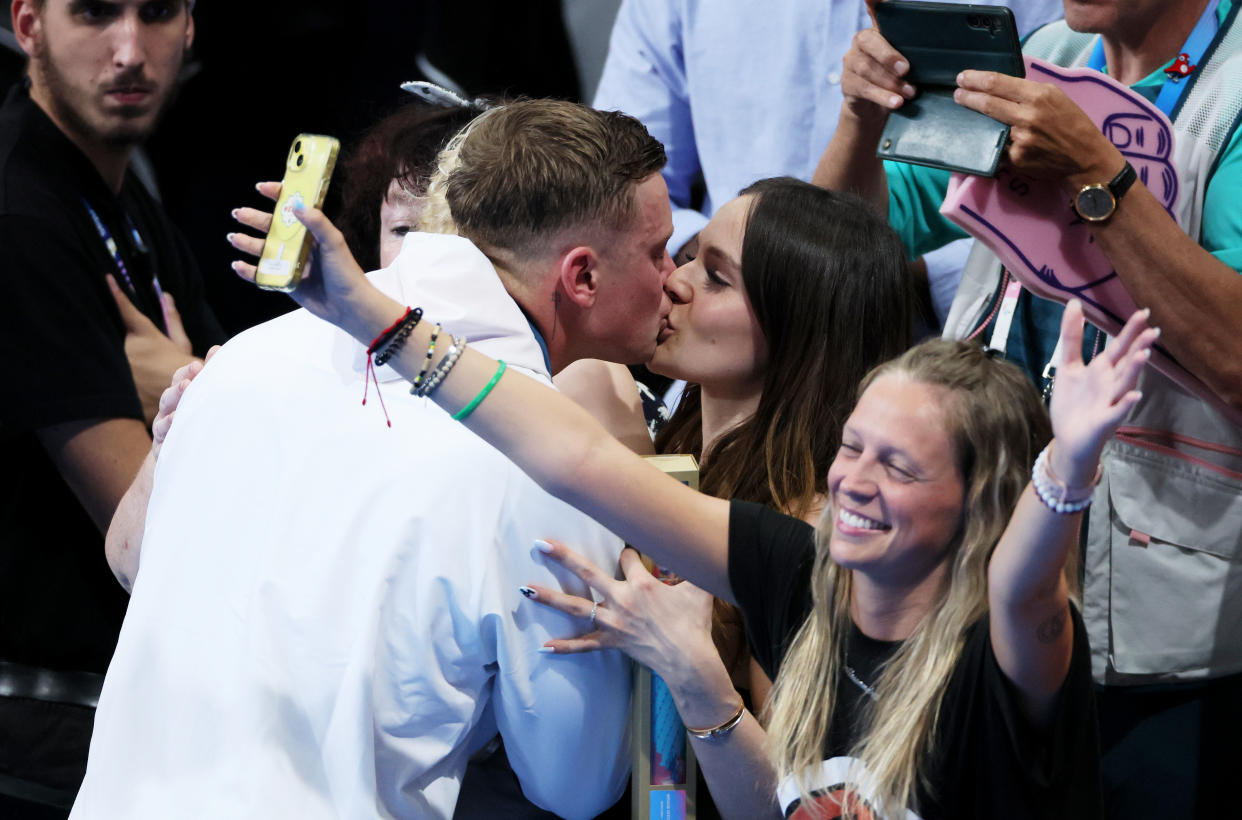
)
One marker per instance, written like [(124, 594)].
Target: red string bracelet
[(383, 338)]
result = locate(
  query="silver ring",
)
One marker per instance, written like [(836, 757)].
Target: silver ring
[(594, 609)]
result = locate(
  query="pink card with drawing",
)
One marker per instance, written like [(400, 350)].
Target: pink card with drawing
[(1030, 225)]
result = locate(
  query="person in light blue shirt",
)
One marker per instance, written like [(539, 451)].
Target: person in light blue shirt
[(739, 91)]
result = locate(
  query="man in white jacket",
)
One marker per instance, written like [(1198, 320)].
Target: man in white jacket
[(328, 620)]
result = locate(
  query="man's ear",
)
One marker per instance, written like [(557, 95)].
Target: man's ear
[(579, 275), (27, 25), (189, 26)]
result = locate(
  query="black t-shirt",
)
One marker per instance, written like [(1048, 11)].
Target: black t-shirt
[(63, 359), (991, 761)]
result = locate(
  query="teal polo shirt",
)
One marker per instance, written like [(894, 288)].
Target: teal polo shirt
[(915, 193)]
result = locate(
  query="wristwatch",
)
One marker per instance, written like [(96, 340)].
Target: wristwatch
[(1097, 202)]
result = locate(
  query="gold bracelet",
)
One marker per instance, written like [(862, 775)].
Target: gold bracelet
[(717, 732)]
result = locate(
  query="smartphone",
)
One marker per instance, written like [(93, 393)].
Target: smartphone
[(307, 171), (941, 40)]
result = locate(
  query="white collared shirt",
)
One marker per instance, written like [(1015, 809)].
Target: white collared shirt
[(327, 622)]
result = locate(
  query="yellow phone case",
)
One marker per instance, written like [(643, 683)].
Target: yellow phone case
[(307, 171)]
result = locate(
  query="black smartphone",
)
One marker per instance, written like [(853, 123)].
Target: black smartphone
[(943, 39), (940, 40)]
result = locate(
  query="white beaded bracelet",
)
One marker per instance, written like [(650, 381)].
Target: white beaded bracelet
[(442, 370), (1054, 493)]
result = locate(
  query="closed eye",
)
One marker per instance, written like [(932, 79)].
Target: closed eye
[(901, 473)]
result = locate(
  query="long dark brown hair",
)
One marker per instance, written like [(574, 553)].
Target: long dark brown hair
[(827, 279)]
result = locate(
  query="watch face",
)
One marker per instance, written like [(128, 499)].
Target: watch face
[(1095, 203)]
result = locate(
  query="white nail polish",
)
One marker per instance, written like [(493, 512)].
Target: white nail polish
[(547, 650), (542, 546)]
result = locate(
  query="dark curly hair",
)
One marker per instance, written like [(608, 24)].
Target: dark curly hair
[(402, 146)]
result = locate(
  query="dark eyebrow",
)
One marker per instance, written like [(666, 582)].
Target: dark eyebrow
[(712, 250)]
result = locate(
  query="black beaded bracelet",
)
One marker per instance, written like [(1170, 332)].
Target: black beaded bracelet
[(391, 340)]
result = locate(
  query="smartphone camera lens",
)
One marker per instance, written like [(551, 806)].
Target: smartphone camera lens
[(297, 146), (301, 159)]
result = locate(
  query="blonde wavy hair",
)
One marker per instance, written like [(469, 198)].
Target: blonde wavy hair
[(998, 424), (436, 217)]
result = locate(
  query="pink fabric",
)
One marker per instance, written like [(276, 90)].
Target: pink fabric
[(1030, 225)]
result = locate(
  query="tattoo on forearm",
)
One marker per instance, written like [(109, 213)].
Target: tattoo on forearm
[(1052, 628)]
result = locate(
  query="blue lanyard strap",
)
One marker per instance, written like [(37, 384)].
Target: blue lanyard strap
[(115, 252), (1201, 37)]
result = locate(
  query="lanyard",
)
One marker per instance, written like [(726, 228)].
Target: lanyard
[(1201, 36), (115, 252), (1004, 317)]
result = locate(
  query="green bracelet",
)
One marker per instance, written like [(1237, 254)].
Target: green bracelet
[(469, 408)]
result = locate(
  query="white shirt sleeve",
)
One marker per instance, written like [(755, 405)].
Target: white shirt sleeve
[(564, 718)]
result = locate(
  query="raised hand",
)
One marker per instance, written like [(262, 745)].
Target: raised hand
[(666, 628), (334, 278), (872, 81), (1089, 401)]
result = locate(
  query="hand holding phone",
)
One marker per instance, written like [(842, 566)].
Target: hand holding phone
[(938, 41), (308, 169), (874, 82)]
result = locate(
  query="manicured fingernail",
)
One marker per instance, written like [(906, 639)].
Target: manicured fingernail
[(894, 101), (527, 592), (234, 212), (258, 186), (1146, 314), (547, 650), (542, 546), (908, 91), (961, 77), (229, 237), (958, 94), (901, 67), (1157, 336)]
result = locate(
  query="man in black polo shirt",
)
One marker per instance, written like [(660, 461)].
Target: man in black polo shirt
[(88, 257)]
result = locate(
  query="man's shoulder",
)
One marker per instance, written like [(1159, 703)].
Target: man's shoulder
[(32, 183), (1057, 43)]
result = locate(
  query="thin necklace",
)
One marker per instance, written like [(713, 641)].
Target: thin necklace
[(866, 690)]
